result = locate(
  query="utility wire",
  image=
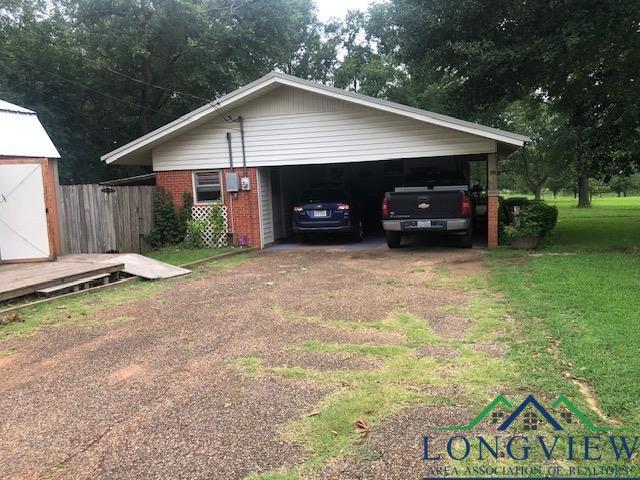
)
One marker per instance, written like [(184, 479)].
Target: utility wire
[(81, 85), (214, 102), (98, 64)]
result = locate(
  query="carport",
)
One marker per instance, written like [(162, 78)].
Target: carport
[(367, 181), (281, 134)]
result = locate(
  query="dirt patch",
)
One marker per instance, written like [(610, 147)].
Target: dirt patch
[(449, 325), (394, 449), (438, 351), (321, 361), (125, 373), (491, 349)]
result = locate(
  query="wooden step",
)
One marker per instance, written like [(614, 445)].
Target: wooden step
[(76, 285), (17, 280)]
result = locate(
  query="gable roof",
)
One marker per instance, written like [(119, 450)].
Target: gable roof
[(10, 107), (276, 79), (22, 134)]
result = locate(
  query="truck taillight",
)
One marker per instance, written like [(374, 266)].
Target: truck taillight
[(343, 206), (385, 207), (465, 205), (298, 208)]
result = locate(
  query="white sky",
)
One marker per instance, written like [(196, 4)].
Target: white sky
[(338, 8)]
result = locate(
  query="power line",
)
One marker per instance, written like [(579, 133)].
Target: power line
[(109, 69), (97, 92)]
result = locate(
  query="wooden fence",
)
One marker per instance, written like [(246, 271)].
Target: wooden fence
[(100, 219)]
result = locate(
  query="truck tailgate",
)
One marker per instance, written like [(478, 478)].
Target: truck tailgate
[(425, 204)]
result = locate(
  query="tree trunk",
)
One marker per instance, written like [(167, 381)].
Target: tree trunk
[(584, 197), (537, 193)]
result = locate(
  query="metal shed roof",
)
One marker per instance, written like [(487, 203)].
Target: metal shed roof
[(22, 134)]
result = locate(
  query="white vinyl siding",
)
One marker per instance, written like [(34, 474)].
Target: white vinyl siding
[(265, 206), (288, 127)]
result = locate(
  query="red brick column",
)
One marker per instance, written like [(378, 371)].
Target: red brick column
[(492, 200), (492, 221), (176, 183), (243, 209)]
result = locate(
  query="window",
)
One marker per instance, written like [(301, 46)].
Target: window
[(206, 185)]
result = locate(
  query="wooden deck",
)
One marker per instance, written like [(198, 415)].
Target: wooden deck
[(21, 279)]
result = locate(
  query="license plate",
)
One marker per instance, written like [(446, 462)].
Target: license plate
[(423, 223), (319, 214)]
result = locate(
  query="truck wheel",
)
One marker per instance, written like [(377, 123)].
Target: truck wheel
[(358, 234), (393, 239), (466, 241)]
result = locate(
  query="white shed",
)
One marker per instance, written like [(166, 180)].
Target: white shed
[(29, 228)]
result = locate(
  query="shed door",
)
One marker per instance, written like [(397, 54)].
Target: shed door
[(23, 216), (266, 206)]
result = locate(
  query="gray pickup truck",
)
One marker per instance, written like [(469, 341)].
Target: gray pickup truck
[(438, 203)]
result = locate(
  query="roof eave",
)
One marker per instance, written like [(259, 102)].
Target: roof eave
[(190, 117), (287, 80)]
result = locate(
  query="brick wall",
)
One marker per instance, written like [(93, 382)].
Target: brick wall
[(176, 183), (242, 208), (492, 221)]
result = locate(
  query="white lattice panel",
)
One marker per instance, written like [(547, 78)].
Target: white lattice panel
[(208, 237)]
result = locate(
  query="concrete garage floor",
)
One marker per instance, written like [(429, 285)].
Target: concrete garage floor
[(190, 383), (373, 241)]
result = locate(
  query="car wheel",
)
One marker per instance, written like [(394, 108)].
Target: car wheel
[(393, 239), (358, 235)]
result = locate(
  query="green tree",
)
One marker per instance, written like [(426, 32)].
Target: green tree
[(580, 56), (559, 183), (537, 163), (624, 185), (103, 72), (364, 68), (316, 59)]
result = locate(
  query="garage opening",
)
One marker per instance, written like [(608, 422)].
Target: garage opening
[(282, 188)]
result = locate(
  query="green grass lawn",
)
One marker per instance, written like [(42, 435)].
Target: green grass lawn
[(589, 302), (179, 255), (611, 223)]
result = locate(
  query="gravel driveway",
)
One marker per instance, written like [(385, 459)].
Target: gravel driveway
[(158, 393)]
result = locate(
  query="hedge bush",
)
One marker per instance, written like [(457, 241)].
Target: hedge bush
[(539, 213), (167, 228), (535, 218)]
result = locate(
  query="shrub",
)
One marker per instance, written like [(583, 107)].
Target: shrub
[(216, 220), (509, 205), (186, 210), (511, 232), (541, 214), (515, 202), (167, 229), (195, 230), (503, 215), (535, 219)]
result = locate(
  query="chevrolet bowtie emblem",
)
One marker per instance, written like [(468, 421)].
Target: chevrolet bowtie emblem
[(424, 205)]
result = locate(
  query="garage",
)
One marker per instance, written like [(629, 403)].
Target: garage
[(255, 151), (364, 184), (28, 180)]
